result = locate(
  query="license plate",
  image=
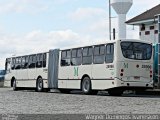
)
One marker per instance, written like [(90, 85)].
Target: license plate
[(136, 78)]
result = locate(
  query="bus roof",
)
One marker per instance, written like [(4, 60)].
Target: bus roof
[(105, 42), (80, 46)]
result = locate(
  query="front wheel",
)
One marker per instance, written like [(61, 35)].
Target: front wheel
[(15, 85), (86, 86), (39, 85)]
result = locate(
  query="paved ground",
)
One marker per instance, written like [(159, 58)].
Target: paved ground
[(30, 102)]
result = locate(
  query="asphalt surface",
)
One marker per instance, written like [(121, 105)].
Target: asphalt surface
[(30, 102)]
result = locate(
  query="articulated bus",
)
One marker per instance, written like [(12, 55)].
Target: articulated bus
[(114, 66)]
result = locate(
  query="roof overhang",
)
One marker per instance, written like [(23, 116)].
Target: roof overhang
[(146, 22)]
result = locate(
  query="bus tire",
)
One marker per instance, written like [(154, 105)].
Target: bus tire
[(115, 92), (86, 86), (15, 85), (39, 85)]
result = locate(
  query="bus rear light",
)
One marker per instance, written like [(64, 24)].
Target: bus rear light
[(151, 72), (121, 74), (137, 66), (122, 70), (150, 76)]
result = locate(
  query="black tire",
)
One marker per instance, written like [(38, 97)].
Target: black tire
[(115, 92), (15, 85), (86, 86), (39, 85)]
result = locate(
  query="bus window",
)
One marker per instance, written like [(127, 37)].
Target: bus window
[(136, 50), (65, 58), (13, 63), (24, 62), (76, 56), (18, 63), (87, 56), (44, 59), (99, 52), (32, 61), (109, 53), (7, 65), (39, 61)]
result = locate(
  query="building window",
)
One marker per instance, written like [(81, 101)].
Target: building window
[(139, 33), (151, 27), (147, 32), (156, 32), (143, 27)]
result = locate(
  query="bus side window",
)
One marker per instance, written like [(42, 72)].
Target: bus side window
[(39, 61), (87, 56), (8, 64), (109, 53), (65, 58), (24, 62), (18, 63), (13, 63), (32, 61), (99, 52), (76, 56), (44, 59)]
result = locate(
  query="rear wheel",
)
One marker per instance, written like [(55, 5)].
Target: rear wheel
[(87, 86), (39, 85), (115, 92), (15, 85)]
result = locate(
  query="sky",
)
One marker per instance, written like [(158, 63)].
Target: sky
[(31, 26)]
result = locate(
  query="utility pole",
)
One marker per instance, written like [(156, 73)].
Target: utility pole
[(110, 27)]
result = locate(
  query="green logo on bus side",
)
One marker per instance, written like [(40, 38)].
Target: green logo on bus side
[(75, 71), (125, 65)]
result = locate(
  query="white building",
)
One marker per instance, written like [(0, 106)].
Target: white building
[(148, 24)]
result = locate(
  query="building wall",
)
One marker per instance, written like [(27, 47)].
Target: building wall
[(149, 33)]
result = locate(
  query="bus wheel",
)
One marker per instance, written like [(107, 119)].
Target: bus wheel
[(39, 85), (115, 92), (15, 86), (86, 86)]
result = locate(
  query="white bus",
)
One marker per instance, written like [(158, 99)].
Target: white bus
[(114, 66)]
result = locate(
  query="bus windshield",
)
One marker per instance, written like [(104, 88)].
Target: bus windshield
[(136, 50)]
